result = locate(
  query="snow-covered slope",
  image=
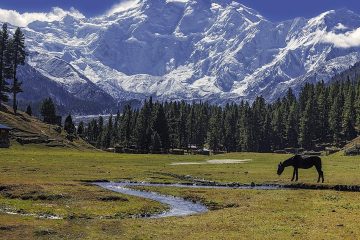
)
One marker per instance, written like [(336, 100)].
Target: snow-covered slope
[(211, 50)]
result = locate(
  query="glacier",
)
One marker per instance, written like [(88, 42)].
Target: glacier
[(218, 51)]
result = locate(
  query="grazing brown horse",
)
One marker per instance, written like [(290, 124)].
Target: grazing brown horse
[(302, 162)]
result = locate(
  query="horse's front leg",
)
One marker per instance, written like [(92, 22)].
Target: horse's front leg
[(293, 177), (297, 174)]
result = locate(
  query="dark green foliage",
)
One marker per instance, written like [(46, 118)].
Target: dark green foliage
[(48, 111), (18, 55), (69, 125), (321, 114), (29, 110), (160, 127), (5, 64), (215, 131), (81, 129)]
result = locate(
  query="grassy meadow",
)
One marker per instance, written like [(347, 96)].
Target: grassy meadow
[(36, 181)]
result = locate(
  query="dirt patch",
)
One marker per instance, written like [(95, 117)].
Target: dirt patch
[(7, 228), (214, 161), (211, 205), (44, 232), (28, 192)]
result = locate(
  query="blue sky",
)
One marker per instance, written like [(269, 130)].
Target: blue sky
[(275, 10)]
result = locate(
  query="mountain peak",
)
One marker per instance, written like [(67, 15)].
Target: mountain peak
[(214, 50)]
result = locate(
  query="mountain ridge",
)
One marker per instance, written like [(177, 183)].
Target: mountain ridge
[(216, 51)]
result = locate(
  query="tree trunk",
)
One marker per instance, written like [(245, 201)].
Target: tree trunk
[(15, 83), (14, 96)]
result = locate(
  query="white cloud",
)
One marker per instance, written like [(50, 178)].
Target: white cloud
[(344, 40), (23, 19), (341, 26), (123, 6)]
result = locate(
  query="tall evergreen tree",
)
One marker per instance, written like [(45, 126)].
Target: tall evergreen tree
[(230, 127), (307, 133), (292, 126), (69, 125), (322, 129), (259, 112), (348, 117), (126, 128), (160, 126), (5, 64), (100, 132), (215, 133), (107, 141), (183, 127), (143, 131), (18, 55), (81, 129), (48, 111), (335, 119), (29, 110)]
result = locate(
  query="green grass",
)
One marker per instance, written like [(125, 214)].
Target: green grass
[(40, 180)]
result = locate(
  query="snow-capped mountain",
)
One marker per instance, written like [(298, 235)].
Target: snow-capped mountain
[(210, 50)]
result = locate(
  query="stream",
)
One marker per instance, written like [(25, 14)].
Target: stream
[(177, 206)]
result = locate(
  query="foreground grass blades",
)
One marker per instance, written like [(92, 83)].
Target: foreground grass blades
[(40, 182)]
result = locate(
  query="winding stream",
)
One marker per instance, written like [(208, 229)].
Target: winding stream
[(177, 206)]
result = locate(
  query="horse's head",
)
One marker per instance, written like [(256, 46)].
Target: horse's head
[(280, 168)]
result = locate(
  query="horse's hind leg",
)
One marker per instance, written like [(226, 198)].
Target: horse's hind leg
[(320, 173), (297, 174), (293, 177)]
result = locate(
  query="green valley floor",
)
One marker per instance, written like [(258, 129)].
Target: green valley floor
[(38, 183)]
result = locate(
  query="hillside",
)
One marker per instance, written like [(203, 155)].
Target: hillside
[(30, 130)]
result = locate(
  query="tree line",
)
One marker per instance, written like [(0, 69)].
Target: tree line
[(320, 114), (12, 55)]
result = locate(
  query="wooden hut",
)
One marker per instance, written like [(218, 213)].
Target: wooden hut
[(4, 136)]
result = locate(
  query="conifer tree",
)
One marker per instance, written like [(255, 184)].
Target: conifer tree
[(143, 131), (156, 143), (230, 124), (245, 127), (126, 126), (29, 110), (182, 127), (292, 132), (258, 121), (18, 55), (99, 133), (107, 141), (307, 125), (69, 125), (335, 119), (348, 117), (278, 126), (160, 127), (215, 133), (48, 111), (5, 64), (81, 129), (322, 129)]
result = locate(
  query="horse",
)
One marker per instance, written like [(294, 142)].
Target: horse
[(297, 162)]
